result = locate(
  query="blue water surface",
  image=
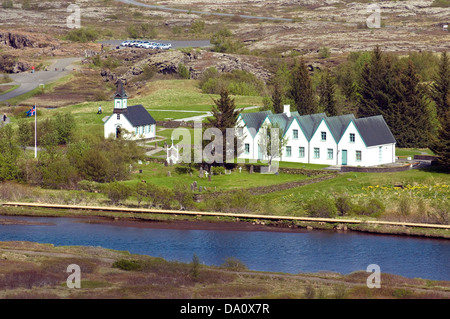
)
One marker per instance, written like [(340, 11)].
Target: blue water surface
[(289, 252)]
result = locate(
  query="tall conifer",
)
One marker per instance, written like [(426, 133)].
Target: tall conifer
[(301, 90)]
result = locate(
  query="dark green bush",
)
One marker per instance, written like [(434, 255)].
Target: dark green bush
[(128, 265), (218, 170), (344, 205), (117, 192), (83, 35), (321, 207), (373, 208)]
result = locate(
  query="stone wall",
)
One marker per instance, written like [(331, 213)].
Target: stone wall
[(405, 167)]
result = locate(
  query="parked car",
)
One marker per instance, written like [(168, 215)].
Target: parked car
[(132, 43), (125, 43)]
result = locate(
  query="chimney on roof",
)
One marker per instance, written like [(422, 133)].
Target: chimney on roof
[(287, 110)]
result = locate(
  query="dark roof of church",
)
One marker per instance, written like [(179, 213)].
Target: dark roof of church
[(137, 115), (120, 92)]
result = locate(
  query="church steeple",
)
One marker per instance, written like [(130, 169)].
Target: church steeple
[(120, 97)]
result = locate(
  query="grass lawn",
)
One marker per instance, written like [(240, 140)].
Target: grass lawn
[(157, 173), (428, 186), (412, 151)]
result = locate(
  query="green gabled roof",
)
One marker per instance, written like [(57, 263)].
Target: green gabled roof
[(338, 124), (254, 120), (280, 120), (309, 123)]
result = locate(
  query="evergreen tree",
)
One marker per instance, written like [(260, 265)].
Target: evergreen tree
[(301, 90), (277, 98), (327, 100), (441, 86), (441, 145), (380, 91), (413, 111), (376, 96), (224, 115)]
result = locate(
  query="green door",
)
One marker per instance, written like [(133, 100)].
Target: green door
[(344, 157)]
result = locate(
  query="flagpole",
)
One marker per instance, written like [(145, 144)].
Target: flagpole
[(35, 131)]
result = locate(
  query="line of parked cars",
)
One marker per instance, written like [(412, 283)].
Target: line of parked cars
[(146, 44)]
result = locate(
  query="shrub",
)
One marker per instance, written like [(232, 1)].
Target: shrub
[(310, 292), (323, 207), (128, 265), (83, 35), (344, 205), (195, 266), (373, 208), (404, 206), (183, 195), (218, 170), (117, 192), (324, 52), (183, 71), (235, 264)]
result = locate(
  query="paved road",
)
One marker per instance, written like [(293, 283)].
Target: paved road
[(29, 81), (140, 4)]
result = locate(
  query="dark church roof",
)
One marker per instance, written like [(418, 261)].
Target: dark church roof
[(120, 92), (137, 115)]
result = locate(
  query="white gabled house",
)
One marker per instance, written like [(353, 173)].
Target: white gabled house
[(133, 122), (318, 139)]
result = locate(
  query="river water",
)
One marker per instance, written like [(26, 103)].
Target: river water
[(289, 252)]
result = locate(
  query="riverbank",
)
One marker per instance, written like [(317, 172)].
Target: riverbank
[(132, 217), (32, 270)]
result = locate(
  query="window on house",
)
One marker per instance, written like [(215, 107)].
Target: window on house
[(288, 151), (247, 148), (118, 116), (352, 138), (316, 152), (358, 156), (330, 153), (323, 135), (137, 130), (295, 134), (301, 151)]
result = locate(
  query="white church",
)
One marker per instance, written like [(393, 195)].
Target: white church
[(132, 122)]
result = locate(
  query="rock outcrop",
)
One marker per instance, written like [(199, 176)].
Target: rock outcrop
[(167, 62)]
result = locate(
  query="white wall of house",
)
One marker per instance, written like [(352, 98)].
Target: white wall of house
[(369, 156), (323, 145), (295, 142), (248, 140), (135, 133)]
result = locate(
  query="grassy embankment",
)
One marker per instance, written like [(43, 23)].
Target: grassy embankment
[(31, 270)]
